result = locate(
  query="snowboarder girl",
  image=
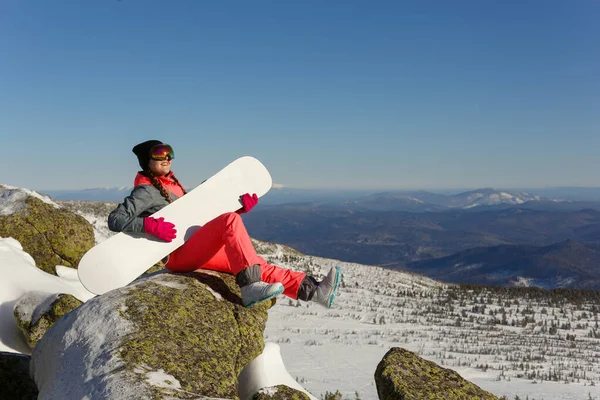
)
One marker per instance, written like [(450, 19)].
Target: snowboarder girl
[(221, 245)]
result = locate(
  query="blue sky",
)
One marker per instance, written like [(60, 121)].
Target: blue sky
[(336, 94)]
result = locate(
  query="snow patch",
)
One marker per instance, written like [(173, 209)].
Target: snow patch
[(564, 281), (270, 391), (62, 348), (266, 370), (20, 276), (12, 199), (522, 281), (66, 272), (160, 379), (217, 295), (459, 267), (171, 284)]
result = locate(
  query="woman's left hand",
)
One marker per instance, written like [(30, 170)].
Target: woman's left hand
[(248, 202)]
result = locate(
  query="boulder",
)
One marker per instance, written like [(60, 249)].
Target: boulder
[(52, 235), (164, 336), (35, 312), (403, 375), (280, 392)]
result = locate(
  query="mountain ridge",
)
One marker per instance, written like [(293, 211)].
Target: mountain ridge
[(566, 264)]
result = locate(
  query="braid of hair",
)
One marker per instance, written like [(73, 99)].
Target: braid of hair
[(177, 182), (159, 186)]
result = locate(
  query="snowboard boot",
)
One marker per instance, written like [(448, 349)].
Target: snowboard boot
[(323, 292), (253, 289)]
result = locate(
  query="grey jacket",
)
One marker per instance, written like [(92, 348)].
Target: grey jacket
[(143, 201)]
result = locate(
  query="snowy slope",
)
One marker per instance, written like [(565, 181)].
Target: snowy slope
[(339, 349)]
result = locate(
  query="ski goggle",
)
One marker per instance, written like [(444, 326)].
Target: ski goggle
[(162, 152)]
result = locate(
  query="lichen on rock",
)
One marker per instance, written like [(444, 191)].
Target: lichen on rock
[(164, 336), (36, 312), (280, 392), (403, 375), (202, 340), (50, 234)]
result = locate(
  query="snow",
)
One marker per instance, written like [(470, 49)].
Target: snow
[(33, 305), (217, 295), (478, 198), (459, 267), (266, 370), (53, 374), (67, 272), (340, 348), (101, 233), (20, 276), (11, 199), (160, 379), (522, 282)]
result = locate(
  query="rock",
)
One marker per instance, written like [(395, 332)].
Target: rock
[(51, 234), (402, 375), (280, 392), (35, 312), (15, 382), (164, 336)]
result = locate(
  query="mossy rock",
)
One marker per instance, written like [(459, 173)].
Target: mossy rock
[(15, 382), (280, 392), (36, 312), (52, 236), (159, 266), (403, 375), (214, 340), (166, 335)]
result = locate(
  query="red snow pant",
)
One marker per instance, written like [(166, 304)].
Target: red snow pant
[(223, 245)]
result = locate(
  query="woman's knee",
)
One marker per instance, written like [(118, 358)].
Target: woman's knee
[(225, 220), (234, 218), (229, 217)]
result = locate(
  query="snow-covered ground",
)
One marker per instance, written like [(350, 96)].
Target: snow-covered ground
[(532, 345), (377, 309)]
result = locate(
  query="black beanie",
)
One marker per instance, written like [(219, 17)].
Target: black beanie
[(142, 151)]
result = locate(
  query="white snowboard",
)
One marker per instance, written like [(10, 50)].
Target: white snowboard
[(119, 260)]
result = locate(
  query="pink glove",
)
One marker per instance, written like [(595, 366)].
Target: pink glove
[(249, 202), (160, 228)]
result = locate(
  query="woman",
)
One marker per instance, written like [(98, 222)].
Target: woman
[(221, 245)]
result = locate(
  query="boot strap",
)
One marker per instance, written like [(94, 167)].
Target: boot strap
[(307, 288)]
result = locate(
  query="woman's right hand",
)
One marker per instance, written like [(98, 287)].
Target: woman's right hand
[(160, 228)]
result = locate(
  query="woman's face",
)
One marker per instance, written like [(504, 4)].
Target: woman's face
[(160, 168)]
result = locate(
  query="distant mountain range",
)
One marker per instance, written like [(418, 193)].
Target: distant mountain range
[(422, 201), (567, 264), (393, 238), (397, 200), (435, 243)]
